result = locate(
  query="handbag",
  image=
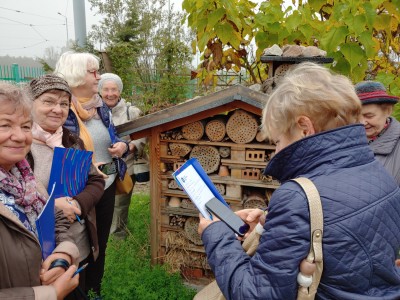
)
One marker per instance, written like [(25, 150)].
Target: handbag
[(250, 244), (124, 186)]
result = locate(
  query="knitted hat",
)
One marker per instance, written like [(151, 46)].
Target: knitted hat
[(111, 77), (374, 92), (45, 83)]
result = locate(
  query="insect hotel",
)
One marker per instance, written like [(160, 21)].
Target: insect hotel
[(221, 131)]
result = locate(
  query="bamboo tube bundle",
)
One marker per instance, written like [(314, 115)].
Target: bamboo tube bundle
[(179, 149), (208, 157), (216, 129), (193, 131), (242, 127), (191, 226)]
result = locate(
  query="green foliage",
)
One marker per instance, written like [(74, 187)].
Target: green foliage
[(363, 37), (128, 273), (146, 45)]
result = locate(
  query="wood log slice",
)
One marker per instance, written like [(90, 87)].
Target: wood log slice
[(208, 157), (216, 130), (242, 127), (191, 226), (255, 200), (179, 149), (193, 131)]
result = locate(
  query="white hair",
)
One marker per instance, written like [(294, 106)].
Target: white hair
[(73, 66)]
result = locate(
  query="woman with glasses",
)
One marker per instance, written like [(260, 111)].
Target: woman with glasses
[(23, 275), (51, 103), (89, 117)]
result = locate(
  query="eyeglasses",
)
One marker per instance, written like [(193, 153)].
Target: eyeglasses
[(52, 103), (94, 72)]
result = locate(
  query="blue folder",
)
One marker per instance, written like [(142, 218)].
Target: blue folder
[(210, 188), (70, 171), (45, 226)]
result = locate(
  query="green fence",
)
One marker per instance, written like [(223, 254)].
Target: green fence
[(17, 73)]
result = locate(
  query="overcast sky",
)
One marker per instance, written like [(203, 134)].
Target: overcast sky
[(27, 27)]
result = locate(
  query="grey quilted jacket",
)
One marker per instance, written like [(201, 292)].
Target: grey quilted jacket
[(387, 149), (361, 204)]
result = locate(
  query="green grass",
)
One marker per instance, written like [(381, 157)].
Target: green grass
[(128, 272)]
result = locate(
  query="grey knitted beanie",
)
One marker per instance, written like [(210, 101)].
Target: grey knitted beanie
[(111, 77), (373, 92), (45, 83)]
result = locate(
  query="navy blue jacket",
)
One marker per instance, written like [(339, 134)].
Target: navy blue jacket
[(361, 204), (72, 124)]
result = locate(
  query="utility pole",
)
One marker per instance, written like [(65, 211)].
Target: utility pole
[(80, 22)]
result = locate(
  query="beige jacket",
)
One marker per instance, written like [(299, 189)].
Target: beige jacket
[(21, 258), (137, 162)]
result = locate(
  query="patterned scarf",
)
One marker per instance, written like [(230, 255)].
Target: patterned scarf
[(50, 139), (20, 183)]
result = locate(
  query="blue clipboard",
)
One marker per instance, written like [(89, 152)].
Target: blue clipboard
[(192, 178)]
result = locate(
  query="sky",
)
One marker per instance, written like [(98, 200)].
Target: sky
[(28, 27)]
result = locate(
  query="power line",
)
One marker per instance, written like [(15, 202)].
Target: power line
[(22, 12)]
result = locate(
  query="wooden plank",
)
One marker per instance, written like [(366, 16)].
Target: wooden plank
[(224, 144), (155, 195), (243, 164)]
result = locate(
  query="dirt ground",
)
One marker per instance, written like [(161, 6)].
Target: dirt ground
[(141, 187)]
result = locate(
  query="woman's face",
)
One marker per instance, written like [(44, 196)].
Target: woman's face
[(50, 110), (15, 134), (92, 78), (110, 93), (374, 118), (282, 140)]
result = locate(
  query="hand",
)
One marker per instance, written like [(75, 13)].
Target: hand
[(251, 216), (397, 262), (117, 150), (49, 276), (132, 147), (96, 166), (69, 208), (204, 223), (65, 284)]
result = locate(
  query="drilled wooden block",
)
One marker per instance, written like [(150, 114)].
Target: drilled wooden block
[(208, 157), (233, 191), (163, 149), (236, 173), (238, 154), (215, 130), (253, 174), (255, 155)]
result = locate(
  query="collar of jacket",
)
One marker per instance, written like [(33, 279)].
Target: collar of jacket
[(7, 214), (341, 147), (385, 144)]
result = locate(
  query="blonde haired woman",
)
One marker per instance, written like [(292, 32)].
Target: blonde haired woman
[(89, 118), (313, 118)]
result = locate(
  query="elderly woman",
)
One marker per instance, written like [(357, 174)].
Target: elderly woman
[(22, 275), (110, 89), (383, 131), (313, 118), (52, 98), (89, 118)]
